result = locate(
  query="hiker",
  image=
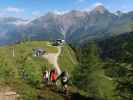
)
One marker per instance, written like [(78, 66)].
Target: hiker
[(53, 77), (46, 77), (64, 81)]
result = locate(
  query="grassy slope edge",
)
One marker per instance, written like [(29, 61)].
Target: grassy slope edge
[(24, 71)]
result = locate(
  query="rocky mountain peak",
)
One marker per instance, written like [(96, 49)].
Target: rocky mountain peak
[(100, 9)]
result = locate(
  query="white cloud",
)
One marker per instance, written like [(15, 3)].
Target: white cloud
[(20, 22), (98, 4), (61, 12), (14, 10)]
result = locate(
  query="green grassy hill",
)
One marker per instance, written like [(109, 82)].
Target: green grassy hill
[(23, 72), (67, 59)]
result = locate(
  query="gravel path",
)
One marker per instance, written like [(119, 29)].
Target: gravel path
[(7, 94), (53, 59)]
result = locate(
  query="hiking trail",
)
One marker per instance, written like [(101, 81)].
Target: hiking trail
[(53, 59), (7, 94)]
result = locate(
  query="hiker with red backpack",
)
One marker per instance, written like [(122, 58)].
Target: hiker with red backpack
[(53, 77)]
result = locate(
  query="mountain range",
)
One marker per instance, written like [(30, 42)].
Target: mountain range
[(74, 26)]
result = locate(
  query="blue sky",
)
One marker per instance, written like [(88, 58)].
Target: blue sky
[(34, 8)]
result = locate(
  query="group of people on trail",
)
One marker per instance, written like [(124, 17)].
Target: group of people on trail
[(51, 78)]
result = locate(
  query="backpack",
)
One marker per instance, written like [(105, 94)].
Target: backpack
[(64, 79), (53, 76)]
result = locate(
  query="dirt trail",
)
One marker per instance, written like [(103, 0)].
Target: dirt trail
[(7, 94), (53, 59)]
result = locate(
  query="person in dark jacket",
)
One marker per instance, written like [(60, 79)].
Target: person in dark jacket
[(64, 81)]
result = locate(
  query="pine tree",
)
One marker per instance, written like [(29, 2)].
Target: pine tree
[(89, 63)]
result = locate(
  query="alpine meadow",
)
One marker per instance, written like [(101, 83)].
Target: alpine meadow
[(66, 50)]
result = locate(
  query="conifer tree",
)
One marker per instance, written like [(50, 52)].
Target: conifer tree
[(89, 63)]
